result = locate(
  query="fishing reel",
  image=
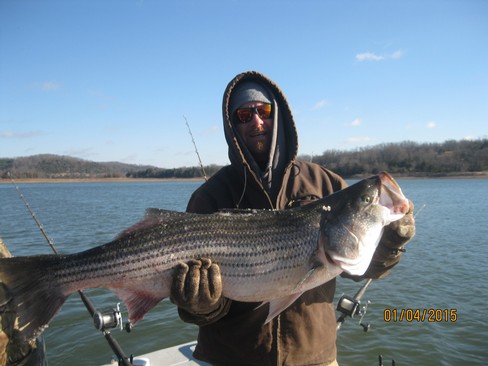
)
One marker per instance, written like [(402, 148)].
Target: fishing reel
[(350, 306), (109, 319)]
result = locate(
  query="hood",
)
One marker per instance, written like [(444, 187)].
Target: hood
[(284, 144)]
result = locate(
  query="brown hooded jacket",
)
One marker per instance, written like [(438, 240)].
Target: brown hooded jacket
[(235, 334)]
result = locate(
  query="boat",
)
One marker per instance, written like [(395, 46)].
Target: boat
[(180, 355)]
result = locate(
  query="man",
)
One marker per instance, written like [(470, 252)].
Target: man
[(265, 174)]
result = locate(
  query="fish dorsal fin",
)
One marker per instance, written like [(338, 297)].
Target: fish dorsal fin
[(152, 217), (160, 215), (237, 211)]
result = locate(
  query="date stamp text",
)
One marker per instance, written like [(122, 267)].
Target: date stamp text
[(420, 315)]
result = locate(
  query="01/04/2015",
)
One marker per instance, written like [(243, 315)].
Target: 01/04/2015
[(420, 315)]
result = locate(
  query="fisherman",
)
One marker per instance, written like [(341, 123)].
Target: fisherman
[(265, 174)]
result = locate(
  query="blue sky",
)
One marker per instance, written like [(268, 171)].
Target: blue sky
[(112, 80)]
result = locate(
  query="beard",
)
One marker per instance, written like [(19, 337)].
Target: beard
[(259, 145)]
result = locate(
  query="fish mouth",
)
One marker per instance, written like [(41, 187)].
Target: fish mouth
[(356, 257), (391, 197), (356, 266)]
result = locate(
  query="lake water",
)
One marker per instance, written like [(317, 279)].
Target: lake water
[(444, 270)]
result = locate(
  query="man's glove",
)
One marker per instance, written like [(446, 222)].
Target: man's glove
[(391, 245), (399, 232), (197, 287)]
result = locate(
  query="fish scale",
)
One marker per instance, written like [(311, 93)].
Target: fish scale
[(264, 255)]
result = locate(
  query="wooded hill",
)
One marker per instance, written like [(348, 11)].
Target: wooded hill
[(409, 158), (463, 157), (47, 166)]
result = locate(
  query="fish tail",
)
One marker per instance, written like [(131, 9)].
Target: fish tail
[(32, 292)]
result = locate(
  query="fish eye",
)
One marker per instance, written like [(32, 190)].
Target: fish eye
[(366, 199)]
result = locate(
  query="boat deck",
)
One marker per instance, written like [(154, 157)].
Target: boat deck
[(180, 355)]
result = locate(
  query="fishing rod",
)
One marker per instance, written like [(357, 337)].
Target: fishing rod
[(351, 306), (202, 169), (102, 321)]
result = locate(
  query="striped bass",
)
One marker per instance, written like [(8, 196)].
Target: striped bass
[(267, 256)]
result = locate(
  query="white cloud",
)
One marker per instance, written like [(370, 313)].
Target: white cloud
[(431, 124), (359, 139), (82, 153), (368, 56), (371, 56), (397, 55), (130, 159), (19, 135), (47, 86), (100, 95), (212, 130), (356, 122), (321, 104)]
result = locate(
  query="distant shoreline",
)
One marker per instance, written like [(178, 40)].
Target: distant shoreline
[(472, 175), (98, 180), (478, 175)]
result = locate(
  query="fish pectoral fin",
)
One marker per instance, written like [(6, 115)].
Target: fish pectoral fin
[(138, 302), (304, 280), (276, 306), (309, 276)]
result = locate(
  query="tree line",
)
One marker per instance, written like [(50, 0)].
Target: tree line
[(405, 158), (409, 158), (183, 172)]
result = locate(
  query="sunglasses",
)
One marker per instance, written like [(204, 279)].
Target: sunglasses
[(244, 115)]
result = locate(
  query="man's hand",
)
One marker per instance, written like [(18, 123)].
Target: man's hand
[(197, 286), (390, 247), (399, 232)]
